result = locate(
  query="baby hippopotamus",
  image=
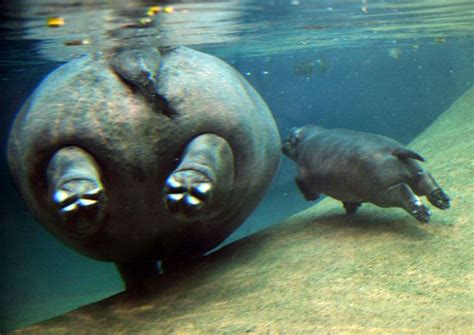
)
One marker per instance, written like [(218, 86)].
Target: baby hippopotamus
[(356, 167)]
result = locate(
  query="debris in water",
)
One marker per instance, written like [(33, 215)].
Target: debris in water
[(315, 27), (395, 53), (55, 22), (168, 10), (144, 22), (153, 10), (365, 6), (308, 67), (77, 42)]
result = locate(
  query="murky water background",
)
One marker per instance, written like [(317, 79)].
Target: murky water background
[(389, 67)]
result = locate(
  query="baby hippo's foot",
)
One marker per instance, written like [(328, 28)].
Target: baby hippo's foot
[(81, 202), (187, 194), (351, 207), (420, 211), (439, 199)]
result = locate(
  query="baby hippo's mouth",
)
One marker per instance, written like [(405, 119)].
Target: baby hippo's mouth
[(286, 147)]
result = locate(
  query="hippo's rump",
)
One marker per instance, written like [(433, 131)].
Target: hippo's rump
[(85, 103)]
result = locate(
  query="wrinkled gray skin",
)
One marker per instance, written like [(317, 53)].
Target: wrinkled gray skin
[(356, 167), (135, 156)]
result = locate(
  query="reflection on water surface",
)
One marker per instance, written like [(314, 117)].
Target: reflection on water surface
[(224, 27)]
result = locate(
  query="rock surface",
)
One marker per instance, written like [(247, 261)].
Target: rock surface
[(321, 272)]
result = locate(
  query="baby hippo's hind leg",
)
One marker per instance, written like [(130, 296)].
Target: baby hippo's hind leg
[(77, 191), (351, 207), (402, 196), (200, 185), (424, 184)]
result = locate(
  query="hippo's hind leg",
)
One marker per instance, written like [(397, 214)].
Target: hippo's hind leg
[(136, 274), (424, 184), (400, 195), (77, 191), (200, 185)]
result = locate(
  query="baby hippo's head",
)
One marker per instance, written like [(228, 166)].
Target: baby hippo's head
[(297, 135), (290, 144)]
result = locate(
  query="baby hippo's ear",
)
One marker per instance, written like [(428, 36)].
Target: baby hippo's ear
[(295, 135), (289, 144)]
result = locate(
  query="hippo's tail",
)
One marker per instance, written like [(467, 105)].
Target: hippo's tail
[(403, 153)]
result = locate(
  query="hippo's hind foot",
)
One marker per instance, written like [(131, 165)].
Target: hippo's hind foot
[(439, 199), (188, 191), (77, 190), (423, 183), (402, 196), (351, 207), (200, 185), (419, 211)]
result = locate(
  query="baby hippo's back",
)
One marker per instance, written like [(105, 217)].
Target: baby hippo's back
[(349, 165)]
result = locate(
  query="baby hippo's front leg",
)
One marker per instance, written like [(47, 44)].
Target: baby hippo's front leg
[(199, 187)]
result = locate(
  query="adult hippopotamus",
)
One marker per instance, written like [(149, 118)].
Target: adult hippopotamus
[(140, 154), (356, 167)]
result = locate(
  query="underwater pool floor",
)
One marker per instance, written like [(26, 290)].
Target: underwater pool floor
[(379, 272)]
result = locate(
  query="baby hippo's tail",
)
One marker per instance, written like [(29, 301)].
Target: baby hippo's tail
[(402, 153)]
